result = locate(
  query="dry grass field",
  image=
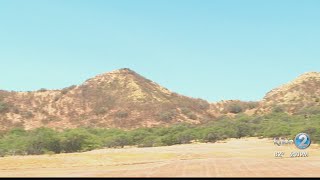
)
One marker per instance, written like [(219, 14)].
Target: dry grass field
[(250, 157)]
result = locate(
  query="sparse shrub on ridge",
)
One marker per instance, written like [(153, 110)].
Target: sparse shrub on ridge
[(235, 108), (167, 116), (277, 109), (42, 90), (4, 107), (66, 90), (122, 114)]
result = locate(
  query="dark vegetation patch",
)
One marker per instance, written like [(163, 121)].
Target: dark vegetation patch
[(47, 141)]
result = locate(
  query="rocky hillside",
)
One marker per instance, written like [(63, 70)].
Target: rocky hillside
[(301, 96), (125, 99), (295, 97), (120, 98)]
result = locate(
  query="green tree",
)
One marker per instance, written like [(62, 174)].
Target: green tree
[(117, 141), (235, 108), (169, 140), (43, 140), (242, 130), (211, 137), (185, 137), (77, 140)]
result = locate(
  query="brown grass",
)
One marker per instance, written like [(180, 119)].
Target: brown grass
[(249, 157)]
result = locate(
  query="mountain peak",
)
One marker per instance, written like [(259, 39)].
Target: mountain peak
[(121, 99), (313, 73), (302, 79), (129, 85), (123, 70), (300, 93), (308, 76), (123, 73)]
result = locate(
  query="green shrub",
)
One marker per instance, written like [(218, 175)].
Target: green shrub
[(277, 109), (167, 116), (66, 90), (185, 111), (4, 107), (202, 104), (42, 90), (184, 137), (77, 140), (150, 141), (27, 114), (169, 140), (211, 137), (235, 108), (192, 116), (100, 110), (122, 114), (117, 141), (310, 110), (252, 105), (42, 140), (139, 135)]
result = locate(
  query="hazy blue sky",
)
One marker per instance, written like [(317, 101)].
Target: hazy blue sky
[(226, 49)]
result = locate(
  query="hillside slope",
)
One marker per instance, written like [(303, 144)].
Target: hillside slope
[(125, 99), (294, 97), (121, 98)]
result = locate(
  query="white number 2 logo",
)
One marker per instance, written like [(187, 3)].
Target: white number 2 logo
[(305, 139), (302, 141)]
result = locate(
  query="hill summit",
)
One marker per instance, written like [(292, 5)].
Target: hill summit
[(125, 99), (295, 96), (121, 98)]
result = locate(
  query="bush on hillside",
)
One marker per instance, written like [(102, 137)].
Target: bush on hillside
[(167, 116), (4, 107)]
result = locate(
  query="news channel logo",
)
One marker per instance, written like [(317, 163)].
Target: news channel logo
[(302, 141)]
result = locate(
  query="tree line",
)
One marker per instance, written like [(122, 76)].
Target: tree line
[(48, 141)]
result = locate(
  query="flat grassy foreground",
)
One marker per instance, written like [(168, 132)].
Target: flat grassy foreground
[(248, 157)]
